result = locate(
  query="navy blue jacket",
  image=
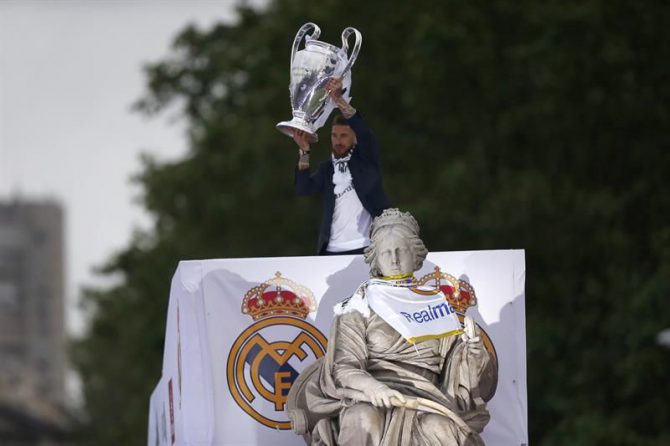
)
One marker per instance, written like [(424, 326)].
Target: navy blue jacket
[(366, 175)]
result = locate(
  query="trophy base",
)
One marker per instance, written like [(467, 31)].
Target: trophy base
[(287, 128)]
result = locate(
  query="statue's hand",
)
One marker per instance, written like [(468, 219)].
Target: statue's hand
[(471, 336), (381, 396)]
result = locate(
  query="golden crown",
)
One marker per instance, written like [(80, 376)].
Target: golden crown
[(278, 296), (459, 293)]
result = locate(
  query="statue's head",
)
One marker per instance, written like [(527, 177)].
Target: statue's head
[(395, 247)]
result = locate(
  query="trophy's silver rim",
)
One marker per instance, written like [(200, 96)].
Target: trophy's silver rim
[(325, 45), (286, 127)]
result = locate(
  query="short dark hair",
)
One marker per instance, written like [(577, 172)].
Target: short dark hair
[(340, 120)]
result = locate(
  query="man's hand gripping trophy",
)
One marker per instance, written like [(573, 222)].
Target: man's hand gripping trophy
[(304, 139)]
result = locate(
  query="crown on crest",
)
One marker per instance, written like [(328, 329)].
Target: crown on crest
[(278, 296), (459, 293)]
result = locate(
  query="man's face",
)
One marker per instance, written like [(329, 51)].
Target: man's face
[(394, 254), (342, 139)]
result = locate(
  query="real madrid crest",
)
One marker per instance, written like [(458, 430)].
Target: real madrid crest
[(269, 355)]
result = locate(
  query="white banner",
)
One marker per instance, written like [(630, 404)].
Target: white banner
[(159, 412), (241, 330)]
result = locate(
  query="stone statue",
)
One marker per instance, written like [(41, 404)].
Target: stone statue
[(374, 387)]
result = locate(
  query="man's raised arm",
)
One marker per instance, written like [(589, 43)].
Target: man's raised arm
[(366, 141)]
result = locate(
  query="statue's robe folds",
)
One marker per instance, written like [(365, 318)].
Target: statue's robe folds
[(327, 407)]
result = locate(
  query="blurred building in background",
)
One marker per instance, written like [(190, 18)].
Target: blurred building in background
[(32, 319)]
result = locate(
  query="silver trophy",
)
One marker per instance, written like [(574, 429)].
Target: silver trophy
[(311, 68)]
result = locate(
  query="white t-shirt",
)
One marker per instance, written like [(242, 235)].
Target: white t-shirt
[(351, 222)]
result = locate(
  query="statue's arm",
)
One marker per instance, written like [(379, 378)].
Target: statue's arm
[(350, 352), (350, 359), (465, 364)]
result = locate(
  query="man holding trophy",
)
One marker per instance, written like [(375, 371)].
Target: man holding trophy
[(350, 181)]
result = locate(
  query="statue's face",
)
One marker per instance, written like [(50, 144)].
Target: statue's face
[(394, 255)]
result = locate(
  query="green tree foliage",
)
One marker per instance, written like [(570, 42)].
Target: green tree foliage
[(503, 124)]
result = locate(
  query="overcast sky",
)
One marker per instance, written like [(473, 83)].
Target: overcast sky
[(69, 73)]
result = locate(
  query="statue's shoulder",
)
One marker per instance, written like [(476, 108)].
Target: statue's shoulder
[(355, 302)]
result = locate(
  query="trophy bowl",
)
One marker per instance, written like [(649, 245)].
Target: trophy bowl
[(311, 68)]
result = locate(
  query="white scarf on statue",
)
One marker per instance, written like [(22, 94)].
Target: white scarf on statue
[(341, 174), (417, 313)]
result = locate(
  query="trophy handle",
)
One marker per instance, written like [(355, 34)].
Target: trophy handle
[(345, 47), (299, 36)]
